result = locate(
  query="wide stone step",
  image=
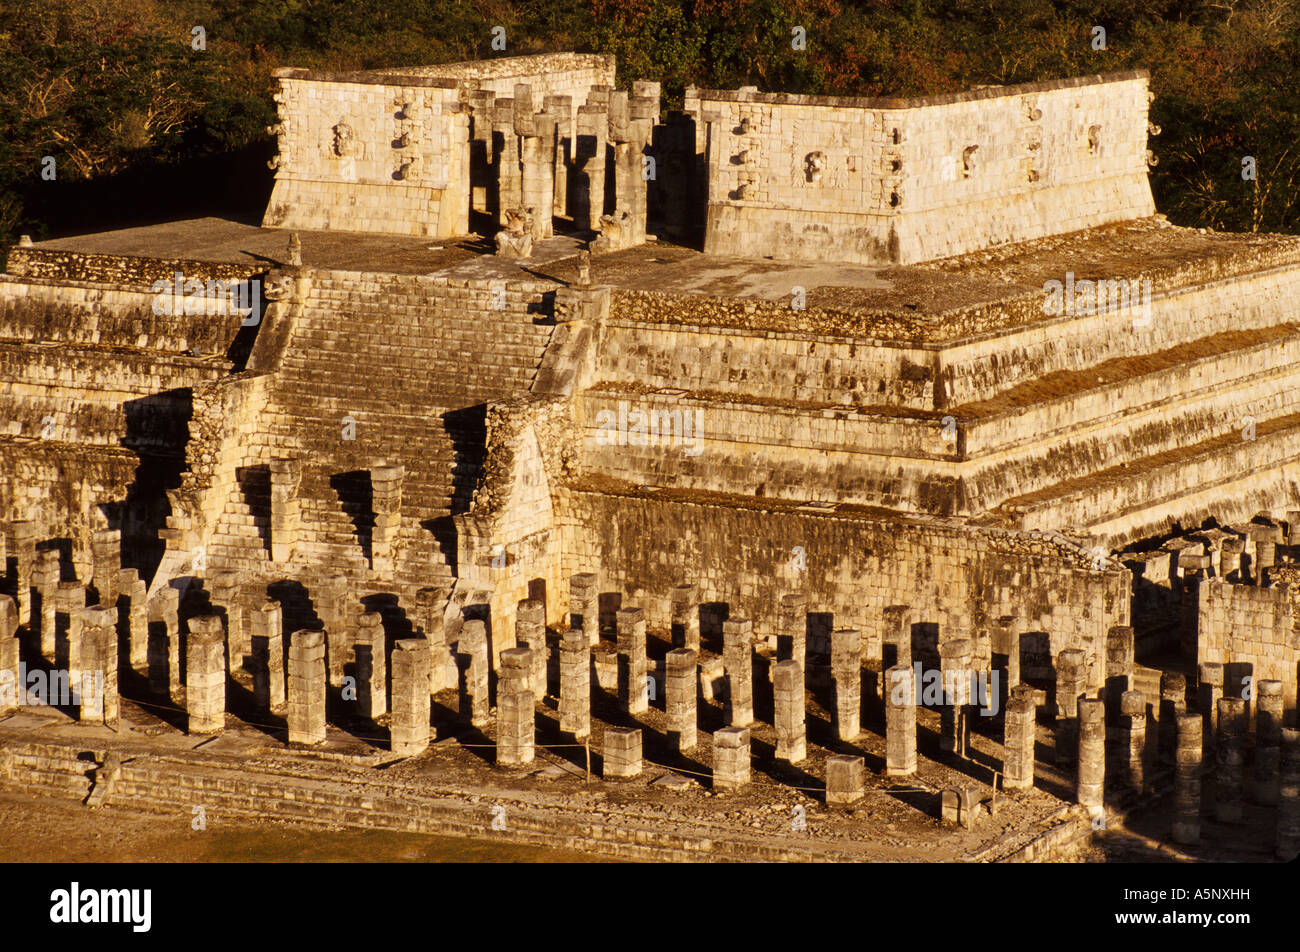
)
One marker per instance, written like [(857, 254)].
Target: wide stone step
[(1228, 477)]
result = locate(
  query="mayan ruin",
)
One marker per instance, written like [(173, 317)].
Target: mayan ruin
[(763, 477)]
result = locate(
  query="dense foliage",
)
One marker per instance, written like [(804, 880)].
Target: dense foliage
[(142, 124)]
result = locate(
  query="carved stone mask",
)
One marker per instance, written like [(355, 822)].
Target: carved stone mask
[(813, 165), (343, 137)]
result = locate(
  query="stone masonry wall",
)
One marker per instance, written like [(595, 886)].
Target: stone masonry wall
[(911, 180), (748, 557), (370, 156), (1250, 625), (548, 74)]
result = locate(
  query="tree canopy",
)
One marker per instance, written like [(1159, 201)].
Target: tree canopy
[(120, 91)]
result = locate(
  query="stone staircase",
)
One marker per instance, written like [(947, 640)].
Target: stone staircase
[(392, 369)]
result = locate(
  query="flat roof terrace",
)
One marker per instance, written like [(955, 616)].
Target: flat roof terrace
[(934, 302)]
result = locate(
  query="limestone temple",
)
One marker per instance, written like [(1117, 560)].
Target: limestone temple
[(527, 391)]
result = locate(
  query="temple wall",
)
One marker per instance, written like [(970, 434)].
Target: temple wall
[(697, 343), (371, 157), (548, 74), (849, 567), (902, 181), (1249, 625)]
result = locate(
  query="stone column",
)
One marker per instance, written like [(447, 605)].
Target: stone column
[(898, 632), (1288, 806), (137, 611), (680, 693), (955, 670), (474, 663), (1071, 678), (45, 581), (1133, 740), (1268, 740), (589, 167), (686, 617), (430, 606), (1090, 786), (530, 633), (622, 753), (1019, 731), (205, 676), (738, 663), (306, 714), (1173, 705), (792, 629), (559, 112), (10, 684), (23, 534), (846, 670), (99, 698), (505, 148), (845, 780), (165, 643), (1187, 780), (106, 564), (515, 708), (575, 684), (1008, 638), (386, 500), (1230, 552), (267, 637), (630, 128), (69, 602), (224, 590), (900, 721), (633, 691), (1193, 578), (584, 605), (408, 726), (1209, 690), (340, 613), (1230, 760), (1119, 666), (372, 667), (730, 759), (537, 172), (790, 716), (1266, 540), (285, 508)]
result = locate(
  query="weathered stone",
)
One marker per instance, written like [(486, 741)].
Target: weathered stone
[(1090, 787), (515, 708), (900, 721), (680, 696), (306, 704), (738, 661), (575, 684), (790, 721), (1187, 780), (1230, 760), (622, 753), (730, 759), (633, 676), (1019, 734), (846, 669), (205, 676), (845, 781)]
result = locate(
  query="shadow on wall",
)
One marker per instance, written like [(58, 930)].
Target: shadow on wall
[(467, 429), (298, 610), (157, 430), (357, 500)]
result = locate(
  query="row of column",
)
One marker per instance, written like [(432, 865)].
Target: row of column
[(547, 160)]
